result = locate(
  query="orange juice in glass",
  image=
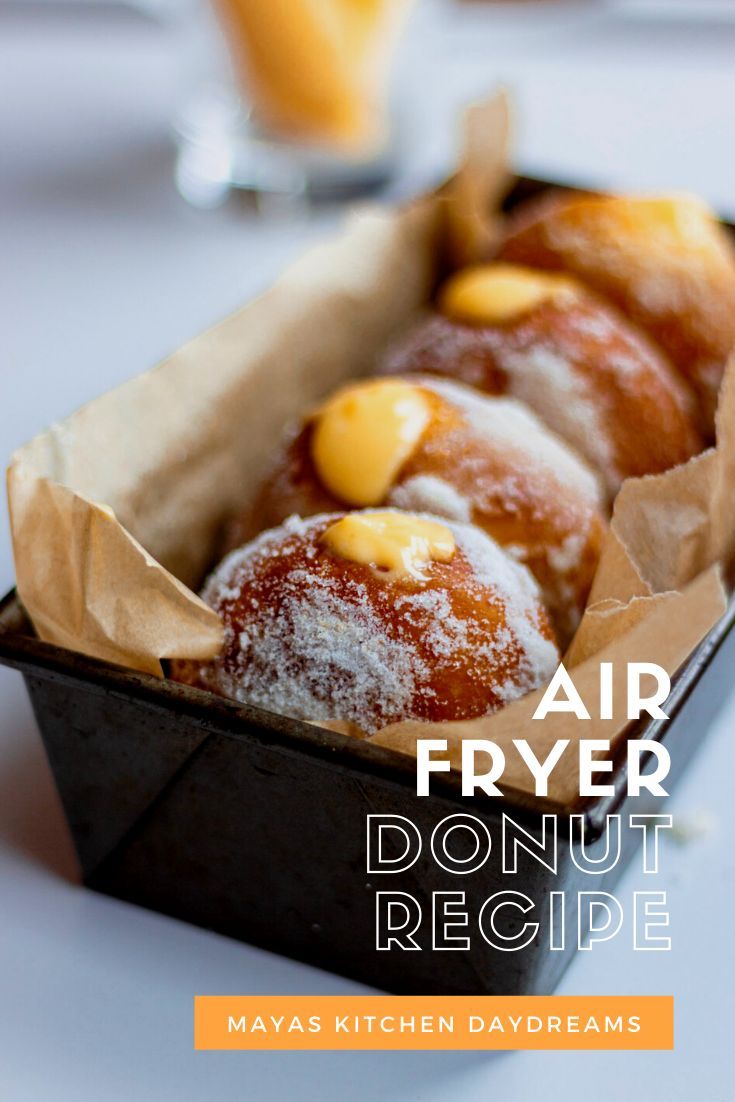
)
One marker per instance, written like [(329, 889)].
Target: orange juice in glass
[(316, 71), (307, 112)]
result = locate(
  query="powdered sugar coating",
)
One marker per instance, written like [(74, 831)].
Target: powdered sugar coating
[(425, 493), (319, 638), (581, 367), (665, 261), (547, 380), (491, 461), (513, 426), (485, 460)]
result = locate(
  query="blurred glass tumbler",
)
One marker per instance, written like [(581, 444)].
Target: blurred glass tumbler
[(307, 113)]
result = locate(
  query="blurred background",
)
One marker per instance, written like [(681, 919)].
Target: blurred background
[(154, 174), (121, 130)]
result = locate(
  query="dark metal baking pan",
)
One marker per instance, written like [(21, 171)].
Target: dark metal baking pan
[(254, 825)]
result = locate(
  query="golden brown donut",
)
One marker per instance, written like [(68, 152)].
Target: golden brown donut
[(482, 460), (578, 363), (315, 635), (666, 262)]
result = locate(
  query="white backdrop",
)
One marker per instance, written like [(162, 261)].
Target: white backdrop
[(105, 270)]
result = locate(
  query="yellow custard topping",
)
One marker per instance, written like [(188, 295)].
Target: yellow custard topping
[(671, 219), (400, 544), (488, 294), (364, 435)]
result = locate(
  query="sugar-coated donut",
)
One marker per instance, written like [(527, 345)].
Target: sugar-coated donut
[(666, 262), (313, 633), (582, 367), (475, 459)]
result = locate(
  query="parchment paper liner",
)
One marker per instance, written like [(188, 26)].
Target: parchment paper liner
[(115, 511), (173, 452)]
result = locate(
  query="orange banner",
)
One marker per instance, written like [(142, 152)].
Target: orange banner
[(307, 1022)]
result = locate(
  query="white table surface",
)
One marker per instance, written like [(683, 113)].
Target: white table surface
[(105, 270)]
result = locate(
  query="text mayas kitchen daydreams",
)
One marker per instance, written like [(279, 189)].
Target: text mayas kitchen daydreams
[(386, 1024), (463, 844)]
